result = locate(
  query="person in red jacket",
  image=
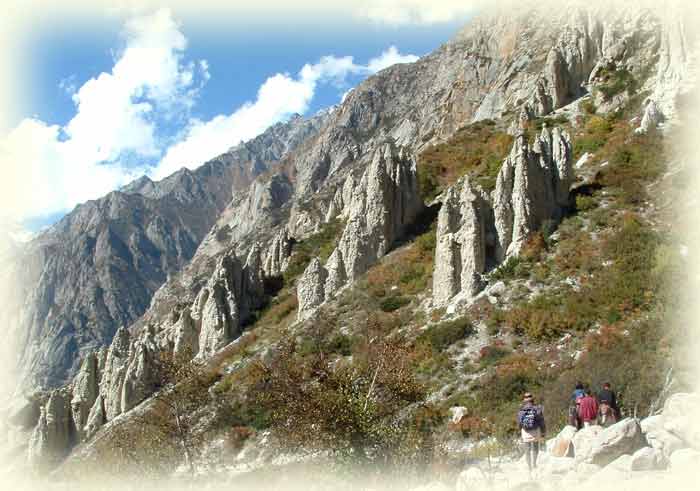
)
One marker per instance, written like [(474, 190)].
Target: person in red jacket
[(587, 409)]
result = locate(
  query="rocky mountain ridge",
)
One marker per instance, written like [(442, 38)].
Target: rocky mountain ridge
[(357, 167), (98, 267)]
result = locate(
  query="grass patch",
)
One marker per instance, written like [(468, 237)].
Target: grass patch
[(615, 81), (478, 149), (445, 334), (319, 245)]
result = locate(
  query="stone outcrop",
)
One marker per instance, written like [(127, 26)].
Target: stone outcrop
[(386, 203), (464, 229), (186, 334), (651, 118), (338, 166), (96, 418), (276, 257), (476, 231), (53, 435), (99, 267), (85, 391), (532, 187), (140, 374), (227, 301), (114, 372), (311, 288)]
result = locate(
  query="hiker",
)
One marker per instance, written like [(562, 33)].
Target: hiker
[(532, 429), (607, 396), (573, 418), (587, 409), (578, 391), (606, 415)]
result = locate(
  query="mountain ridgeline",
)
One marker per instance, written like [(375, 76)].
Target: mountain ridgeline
[(270, 237)]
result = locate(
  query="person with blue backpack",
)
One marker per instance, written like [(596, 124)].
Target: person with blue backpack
[(532, 429)]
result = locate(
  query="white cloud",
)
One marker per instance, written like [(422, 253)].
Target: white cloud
[(390, 57), (400, 12), (120, 117), (52, 168), (279, 97)]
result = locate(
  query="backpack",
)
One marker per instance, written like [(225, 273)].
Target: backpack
[(529, 418)]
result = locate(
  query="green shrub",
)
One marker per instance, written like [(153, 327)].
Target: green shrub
[(444, 334), (393, 303), (588, 106), (492, 354), (585, 203), (319, 245), (617, 81), (514, 267)]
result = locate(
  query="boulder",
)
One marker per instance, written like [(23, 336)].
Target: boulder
[(624, 437), (623, 464), (648, 459), (472, 479), (685, 459), (583, 442), (681, 418), (659, 438), (558, 465), (561, 446), (457, 413), (585, 471)]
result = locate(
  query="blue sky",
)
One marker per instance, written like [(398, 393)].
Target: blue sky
[(239, 60), (114, 97)]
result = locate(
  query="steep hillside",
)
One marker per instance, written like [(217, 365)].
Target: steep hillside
[(457, 231), (97, 269)]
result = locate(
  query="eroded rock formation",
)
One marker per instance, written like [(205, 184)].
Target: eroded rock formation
[(476, 231), (387, 202)]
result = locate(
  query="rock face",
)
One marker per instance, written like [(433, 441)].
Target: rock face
[(476, 231), (114, 371), (387, 202), (139, 377), (98, 268), (226, 302), (53, 436), (85, 392), (311, 289), (532, 187), (277, 255), (464, 230)]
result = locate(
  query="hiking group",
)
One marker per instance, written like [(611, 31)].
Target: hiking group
[(585, 410)]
